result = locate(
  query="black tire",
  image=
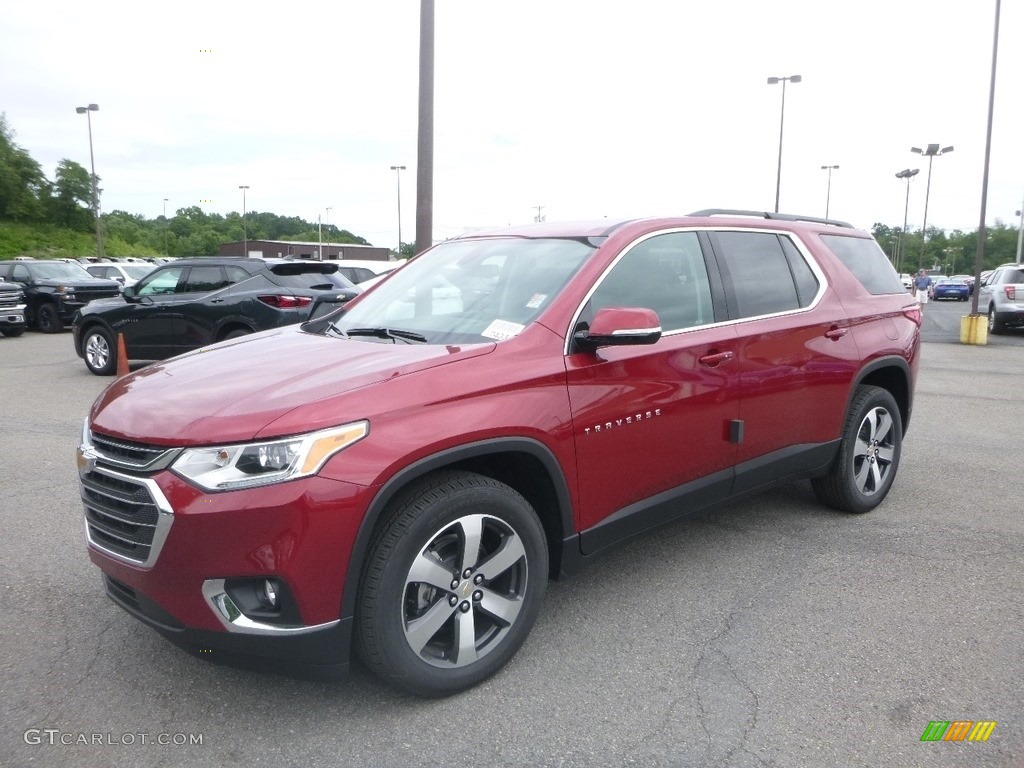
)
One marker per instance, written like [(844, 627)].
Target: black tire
[(48, 319), (420, 588), (995, 325), (869, 454), (13, 332), (99, 352)]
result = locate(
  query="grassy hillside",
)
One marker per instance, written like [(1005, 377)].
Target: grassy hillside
[(48, 241)]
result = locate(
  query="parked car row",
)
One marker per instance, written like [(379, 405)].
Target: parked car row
[(55, 290), (191, 303)]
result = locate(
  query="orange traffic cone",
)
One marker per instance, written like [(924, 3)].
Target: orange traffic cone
[(122, 356)]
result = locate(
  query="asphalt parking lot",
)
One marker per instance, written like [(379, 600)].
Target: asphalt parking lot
[(771, 632)]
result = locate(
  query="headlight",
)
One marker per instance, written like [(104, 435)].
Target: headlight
[(226, 467)]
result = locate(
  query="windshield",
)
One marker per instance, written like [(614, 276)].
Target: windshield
[(467, 291), (137, 272), (60, 270)]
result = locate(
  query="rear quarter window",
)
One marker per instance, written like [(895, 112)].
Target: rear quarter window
[(867, 262)]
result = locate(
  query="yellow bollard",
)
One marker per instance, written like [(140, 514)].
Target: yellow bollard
[(974, 330)]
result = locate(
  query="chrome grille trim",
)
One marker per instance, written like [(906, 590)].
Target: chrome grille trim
[(134, 456), (102, 520)]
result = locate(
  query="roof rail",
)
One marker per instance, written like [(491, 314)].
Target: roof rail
[(770, 215)]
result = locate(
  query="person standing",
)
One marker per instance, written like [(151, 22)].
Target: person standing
[(921, 284)]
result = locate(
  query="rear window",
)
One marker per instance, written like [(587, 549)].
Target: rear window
[(331, 281), (867, 262)]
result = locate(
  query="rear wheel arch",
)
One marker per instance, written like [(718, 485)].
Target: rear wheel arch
[(525, 465), (893, 375), (232, 330)]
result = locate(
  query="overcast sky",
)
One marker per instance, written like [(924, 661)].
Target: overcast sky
[(585, 107)]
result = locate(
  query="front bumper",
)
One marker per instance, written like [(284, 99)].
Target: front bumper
[(12, 317), (299, 533)]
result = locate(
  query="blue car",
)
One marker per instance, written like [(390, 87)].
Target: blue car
[(951, 289)]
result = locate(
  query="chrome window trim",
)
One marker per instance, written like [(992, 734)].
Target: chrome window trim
[(233, 620), (165, 516), (796, 241)]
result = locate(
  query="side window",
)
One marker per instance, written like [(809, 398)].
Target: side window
[(236, 274), (665, 273), (758, 270), (20, 274), (806, 283), (159, 283), (205, 279)]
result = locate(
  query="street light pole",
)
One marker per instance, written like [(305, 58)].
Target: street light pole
[(92, 162), (1020, 231), (165, 226), (908, 174), (782, 124), (828, 192), (931, 152), (327, 223), (320, 238), (398, 180), (245, 228)]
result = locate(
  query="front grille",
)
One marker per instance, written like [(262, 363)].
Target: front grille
[(136, 456), (121, 514), (11, 298), (86, 295)]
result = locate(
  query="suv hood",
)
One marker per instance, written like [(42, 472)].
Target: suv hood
[(231, 391)]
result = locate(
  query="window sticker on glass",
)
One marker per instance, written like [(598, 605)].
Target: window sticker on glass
[(536, 300), (500, 330)]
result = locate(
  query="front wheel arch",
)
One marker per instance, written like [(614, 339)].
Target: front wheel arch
[(554, 506)]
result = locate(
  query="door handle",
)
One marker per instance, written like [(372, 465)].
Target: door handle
[(836, 333), (216, 301), (714, 359)]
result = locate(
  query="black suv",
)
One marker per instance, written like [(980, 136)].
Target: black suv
[(55, 290), (12, 309), (190, 303)]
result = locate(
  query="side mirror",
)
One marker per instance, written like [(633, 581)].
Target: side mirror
[(129, 293), (620, 326)]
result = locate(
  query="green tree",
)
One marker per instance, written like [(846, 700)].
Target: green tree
[(23, 185), (71, 203)]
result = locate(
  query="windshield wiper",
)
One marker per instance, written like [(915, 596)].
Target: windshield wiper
[(395, 334)]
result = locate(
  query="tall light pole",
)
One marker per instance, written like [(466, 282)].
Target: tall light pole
[(425, 132), (398, 181), (245, 228), (165, 226), (782, 124), (931, 152), (907, 174), (1020, 231), (320, 238), (828, 192), (327, 223), (92, 162)]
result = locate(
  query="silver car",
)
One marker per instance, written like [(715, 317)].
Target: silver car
[(1002, 297)]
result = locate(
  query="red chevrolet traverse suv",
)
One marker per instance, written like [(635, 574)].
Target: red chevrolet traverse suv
[(401, 478)]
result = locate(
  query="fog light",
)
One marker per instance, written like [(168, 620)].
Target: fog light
[(268, 595)]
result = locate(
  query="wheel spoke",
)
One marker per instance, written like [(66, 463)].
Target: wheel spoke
[(882, 426), (860, 448), (472, 528), (502, 608), (886, 453), (876, 476), (861, 478), (510, 552), (418, 632), (426, 569), (465, 629)]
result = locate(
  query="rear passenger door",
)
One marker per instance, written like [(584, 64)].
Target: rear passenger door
[(202, 304), (795, 355)]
